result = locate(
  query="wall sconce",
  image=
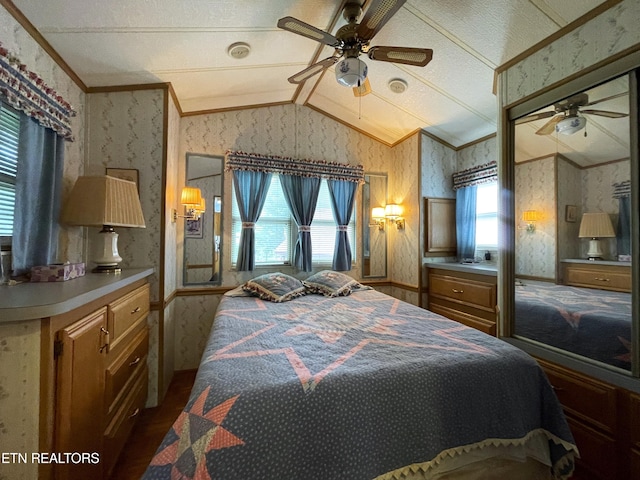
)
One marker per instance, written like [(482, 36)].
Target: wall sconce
[(193, 202), (595, 226), (377, 217), (393, 212), (530, 217)]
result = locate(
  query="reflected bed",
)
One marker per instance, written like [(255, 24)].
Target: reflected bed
[(592, 323), (361, 386)]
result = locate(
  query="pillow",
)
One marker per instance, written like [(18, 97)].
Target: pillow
[(331, 284), (275, 287)]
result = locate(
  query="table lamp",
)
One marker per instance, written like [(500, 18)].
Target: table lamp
[(106, 202)]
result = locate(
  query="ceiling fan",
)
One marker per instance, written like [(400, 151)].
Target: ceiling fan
[(353, 39), (567, 115)]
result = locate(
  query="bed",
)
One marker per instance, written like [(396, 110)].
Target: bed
[(350, 383), (589, 322)]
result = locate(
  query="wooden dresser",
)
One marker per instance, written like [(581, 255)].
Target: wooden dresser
[(466, 295), (604, 275), (604, 420), (93, 369)]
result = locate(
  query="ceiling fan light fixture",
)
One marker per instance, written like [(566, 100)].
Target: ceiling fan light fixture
[(351, 72), (570, 125)]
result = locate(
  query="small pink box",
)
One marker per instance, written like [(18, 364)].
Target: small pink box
[(57, 272)]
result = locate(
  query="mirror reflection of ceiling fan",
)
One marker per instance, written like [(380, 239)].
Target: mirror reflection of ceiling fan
[(567, 116), (353, 39)]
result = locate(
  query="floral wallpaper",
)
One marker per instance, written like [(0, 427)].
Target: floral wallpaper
[(20, 343)]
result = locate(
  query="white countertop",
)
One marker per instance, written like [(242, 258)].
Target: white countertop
[(490, 269), (29, 301)]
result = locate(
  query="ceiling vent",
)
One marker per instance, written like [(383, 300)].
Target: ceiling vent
[(397, 85), (239, 50)]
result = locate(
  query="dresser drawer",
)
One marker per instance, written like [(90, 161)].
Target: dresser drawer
[(125, 313), (599, 276), (634, 417), (464, 291), (583, 397), (598, 452), (119, 428), (124, 368), (468, 319)]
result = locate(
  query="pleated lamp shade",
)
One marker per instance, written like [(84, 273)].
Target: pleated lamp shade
[(104, 200)]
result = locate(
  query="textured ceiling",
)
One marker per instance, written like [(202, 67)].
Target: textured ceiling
[(185, 42)]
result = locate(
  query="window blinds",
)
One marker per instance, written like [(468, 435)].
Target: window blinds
[(9, 137)]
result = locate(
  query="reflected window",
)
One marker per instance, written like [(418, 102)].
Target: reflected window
[(276, 230), (487, 216)]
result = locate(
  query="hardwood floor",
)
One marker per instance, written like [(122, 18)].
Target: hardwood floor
[(151, 428)]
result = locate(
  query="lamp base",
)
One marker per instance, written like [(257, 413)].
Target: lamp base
[(107, 269), (109, 258), (595, 252)]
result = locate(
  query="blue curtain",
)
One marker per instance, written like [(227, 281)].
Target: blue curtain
[(301, 194), (624, 226), (251, 191), (343, 195), (466, 221), (38, 196)]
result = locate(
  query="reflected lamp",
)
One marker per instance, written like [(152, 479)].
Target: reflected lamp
[(377, 215), (106, 202), (530, 217), (595, 226), (193, 202)]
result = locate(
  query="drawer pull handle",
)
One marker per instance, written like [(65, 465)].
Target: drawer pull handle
[(135, 310), (557, 389), (454, 290), (602, 279), (135, 362), (135, 413), (105, 345)]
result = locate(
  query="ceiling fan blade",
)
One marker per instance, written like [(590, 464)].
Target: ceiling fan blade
[(362, 90), (314, 69), (378, 13), (301, 28), (550, 126), (617, 95), (605, 113), (406, 55), (534, 117)]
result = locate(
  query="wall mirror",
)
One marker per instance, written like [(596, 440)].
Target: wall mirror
[(374, 236), (572, 174), (203, 237)]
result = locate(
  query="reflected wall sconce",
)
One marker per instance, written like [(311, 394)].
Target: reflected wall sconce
[(105, 202), (530, 217), (377, 217), (193, 202), (393, 213), (595, 226)]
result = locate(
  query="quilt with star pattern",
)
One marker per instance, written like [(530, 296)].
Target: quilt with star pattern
[(358, 387), (589, 322)]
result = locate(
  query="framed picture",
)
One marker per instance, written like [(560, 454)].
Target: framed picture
[(130, 174), (571, 213), (193, 228)]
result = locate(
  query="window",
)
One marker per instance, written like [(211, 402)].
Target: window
[(487, 216), (9, 137), (276, 230)]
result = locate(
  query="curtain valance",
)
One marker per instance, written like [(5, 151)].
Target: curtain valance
[(26, 91), (622, 189), (290, 166), (476, 175)]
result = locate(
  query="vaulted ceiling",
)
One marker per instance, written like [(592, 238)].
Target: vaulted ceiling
[(186, 43)]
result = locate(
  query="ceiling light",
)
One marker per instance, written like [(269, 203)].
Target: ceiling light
[(351, 72), (239, 50), (570, 125), (397, 85)]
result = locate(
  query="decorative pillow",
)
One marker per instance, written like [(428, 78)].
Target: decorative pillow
[(275, 287), (331, 284)]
